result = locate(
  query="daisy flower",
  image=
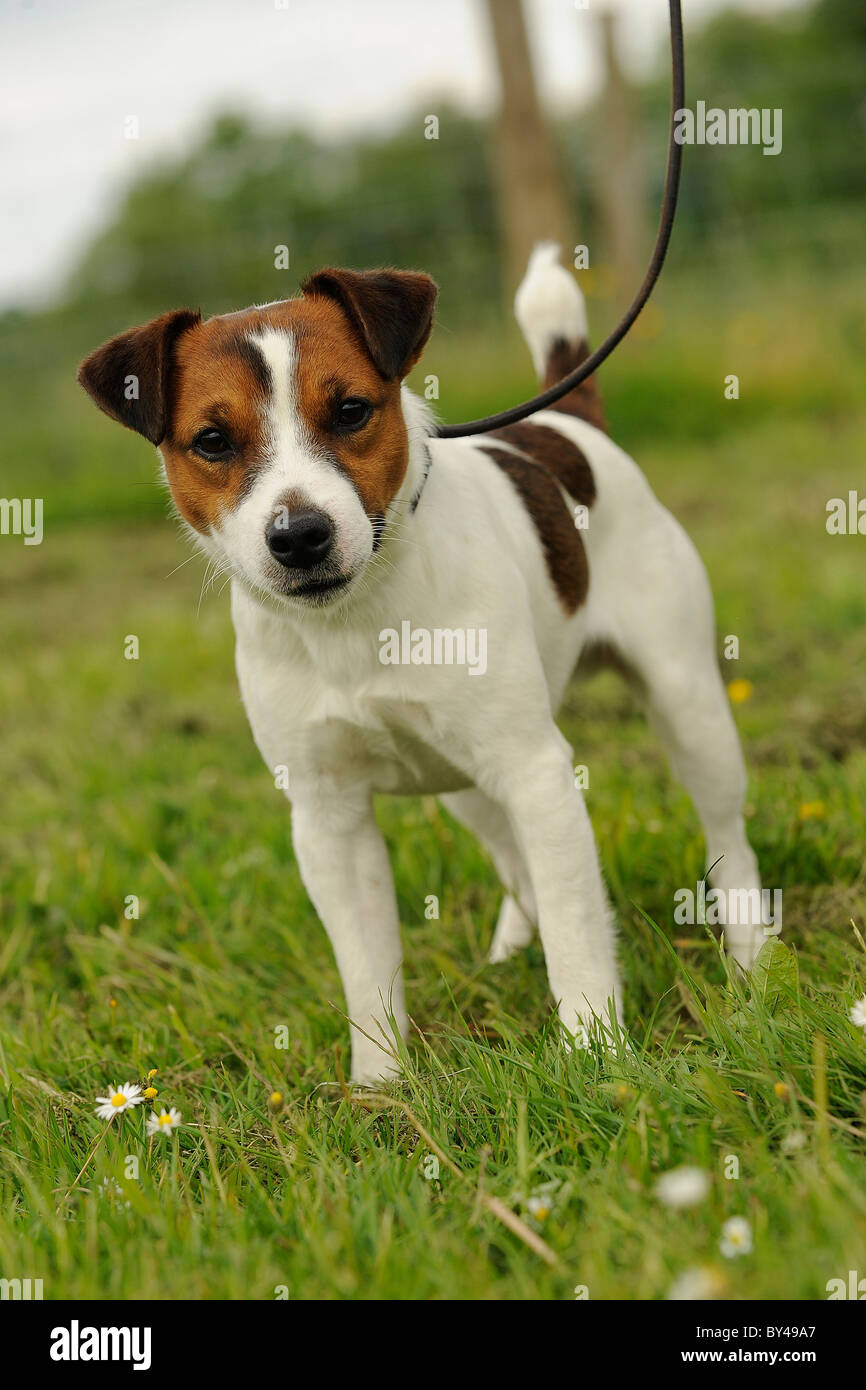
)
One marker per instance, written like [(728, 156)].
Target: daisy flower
[(540, 1203), (858, 1012), (164, 1123), (736, 1238), (794, 1141), (683, 1187), (119, 1098), (539, 1208)]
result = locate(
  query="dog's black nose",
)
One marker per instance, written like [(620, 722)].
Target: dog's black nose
[(301, 540)]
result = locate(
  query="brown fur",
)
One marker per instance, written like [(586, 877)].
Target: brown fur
[(357, 335), (391, 311), (332, 364), (585, 400), (563, 548), (559, 456), (217, 382), (129, 376)]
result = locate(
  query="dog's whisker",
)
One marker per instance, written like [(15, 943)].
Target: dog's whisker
[(195, 556)]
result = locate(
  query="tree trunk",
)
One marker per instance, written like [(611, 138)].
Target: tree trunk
[(620, 190), (532, 204)]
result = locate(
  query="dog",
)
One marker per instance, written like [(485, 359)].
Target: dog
[(303, 466)]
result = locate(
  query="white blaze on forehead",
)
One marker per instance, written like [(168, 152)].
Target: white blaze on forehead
[(293, 460), (287, 439), (296, 459)]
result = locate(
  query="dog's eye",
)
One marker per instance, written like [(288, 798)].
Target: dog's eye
[(212, 445), (353, 414)]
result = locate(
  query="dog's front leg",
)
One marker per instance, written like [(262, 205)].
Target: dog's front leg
[(574, 918), (345, 868)]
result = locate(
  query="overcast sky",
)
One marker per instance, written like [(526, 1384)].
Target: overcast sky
[(74, 70)]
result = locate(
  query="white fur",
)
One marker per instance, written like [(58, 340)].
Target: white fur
[(346, 726), (548, 304)]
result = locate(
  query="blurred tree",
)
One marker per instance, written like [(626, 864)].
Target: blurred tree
[(531, 199), (621, 194), (808, 64), (202, 229)]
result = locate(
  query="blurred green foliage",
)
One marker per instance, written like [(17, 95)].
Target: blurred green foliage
[(758, 239), (201, 228), (141, 776)]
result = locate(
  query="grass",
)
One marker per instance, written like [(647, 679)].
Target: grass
[(140, 778)]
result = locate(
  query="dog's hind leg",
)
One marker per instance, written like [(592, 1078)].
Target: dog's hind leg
[(664, 629), (535, 784), (515, 927)]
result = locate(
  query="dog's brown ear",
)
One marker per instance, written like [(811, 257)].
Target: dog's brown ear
[(392, 310), (128, 375)]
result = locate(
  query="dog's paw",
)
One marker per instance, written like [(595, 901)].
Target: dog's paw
[(513, 931), (373, 1069), (744, 944), (590, 1031)]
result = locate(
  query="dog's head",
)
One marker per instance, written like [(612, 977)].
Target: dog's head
[(280, 428)]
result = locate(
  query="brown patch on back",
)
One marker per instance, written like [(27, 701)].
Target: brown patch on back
[(563, 548), (585, 400), (559, 455)]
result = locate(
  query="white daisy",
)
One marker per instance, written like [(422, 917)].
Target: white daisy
[(119, 1098), (858, 1012), (539, 1208), (683, 1187), (164, 1123), (794, 1141), (736, 1238)]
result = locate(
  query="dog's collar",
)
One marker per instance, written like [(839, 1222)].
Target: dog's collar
[(428, 460)]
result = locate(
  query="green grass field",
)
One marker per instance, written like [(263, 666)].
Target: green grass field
[(140, 778)]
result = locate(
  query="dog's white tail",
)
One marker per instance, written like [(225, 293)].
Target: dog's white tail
[(550, 310)]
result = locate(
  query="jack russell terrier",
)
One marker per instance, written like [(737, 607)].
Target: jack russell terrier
[(304, 466)]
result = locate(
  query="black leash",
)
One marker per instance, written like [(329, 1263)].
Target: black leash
[(663, 236)]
